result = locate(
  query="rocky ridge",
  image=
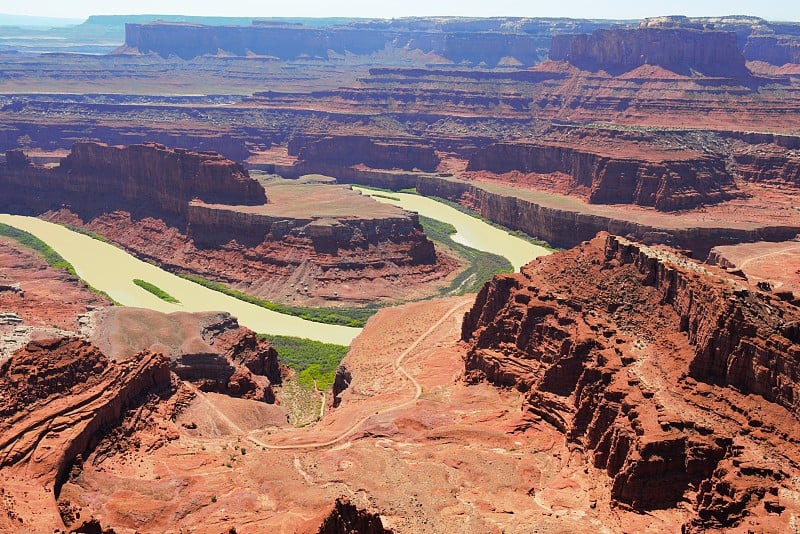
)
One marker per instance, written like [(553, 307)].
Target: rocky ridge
[(676, 377), (209, 350), (168, 179), (59, 393)]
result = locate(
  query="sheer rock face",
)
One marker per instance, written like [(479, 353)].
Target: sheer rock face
[(681, 183), (381, 153), (683, 50), (166, 179), (678, 378), (567, 227), (295, 41), (769, 166), (774, 49)]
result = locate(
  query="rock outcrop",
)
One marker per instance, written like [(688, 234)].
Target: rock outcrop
[(768, 165), (682, 50), (109, 177), (58, 393), (346, 517), (680, 183), (774, 49), (346, 150), (652, 363), (210, 350)]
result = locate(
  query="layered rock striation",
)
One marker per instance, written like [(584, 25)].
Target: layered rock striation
[(682, 50), (685, 181), (59, 393), (771, 166), (382, 153), (566, 224), (677, 379), (209, 350), (295, 41), (104, 177)]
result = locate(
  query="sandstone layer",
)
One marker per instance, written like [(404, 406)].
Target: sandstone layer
[(150, 178), (294, 41), (59, 393), (677, 378), (209, 350)]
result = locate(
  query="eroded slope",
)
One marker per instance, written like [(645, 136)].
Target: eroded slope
[(678, 379)]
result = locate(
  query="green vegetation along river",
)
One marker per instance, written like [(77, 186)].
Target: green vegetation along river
[(113, 271), (470, 231)]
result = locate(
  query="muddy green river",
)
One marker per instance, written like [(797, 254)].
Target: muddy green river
[(471, 231), (113, 270)]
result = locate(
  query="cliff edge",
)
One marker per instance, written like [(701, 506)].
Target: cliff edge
[(682, 50), (676, 378)]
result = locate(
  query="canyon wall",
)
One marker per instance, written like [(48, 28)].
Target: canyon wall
[(488, 40), (218, 225), (164, 179), (774, 49), (168, 177), (773, 167), (683, 182), (59, 394), (295, 41), (651, 363), (683, 50), (564, 227), (382, 153)]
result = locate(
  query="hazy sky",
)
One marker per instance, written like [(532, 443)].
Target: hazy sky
[(632, 9)]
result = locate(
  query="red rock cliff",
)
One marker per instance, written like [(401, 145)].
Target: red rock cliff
[(769, 165), (683, 50), (108, 178), (666, 184), (566, 227), (652, 363), (384, 153), (169, 177), (58, 394)]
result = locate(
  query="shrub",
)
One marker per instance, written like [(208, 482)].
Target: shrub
[(160, 293)]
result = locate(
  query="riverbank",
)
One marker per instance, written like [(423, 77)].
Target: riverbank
[(112, 270)]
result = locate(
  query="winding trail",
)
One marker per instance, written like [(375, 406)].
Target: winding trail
[(398, 366), (766, 255)]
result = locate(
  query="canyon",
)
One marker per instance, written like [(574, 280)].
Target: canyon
[(217, 221), (643, 379)]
